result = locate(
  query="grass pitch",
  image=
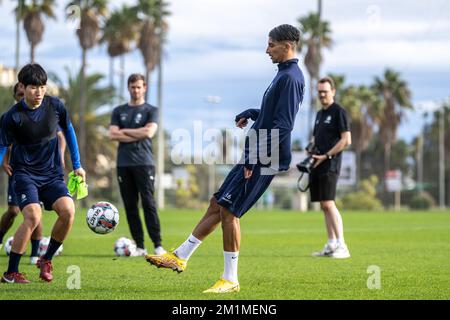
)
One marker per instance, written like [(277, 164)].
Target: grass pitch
[(411, 250)]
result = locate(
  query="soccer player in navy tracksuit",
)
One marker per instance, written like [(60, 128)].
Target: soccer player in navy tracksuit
[(247, 181), (31, 127)]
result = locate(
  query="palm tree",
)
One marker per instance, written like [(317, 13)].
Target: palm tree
[(396, 97), (315, 34), (32, 21), (119, 31), (363, 108), (18, 14), (88, 34), (152, 32)]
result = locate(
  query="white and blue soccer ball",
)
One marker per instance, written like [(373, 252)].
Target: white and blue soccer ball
[(8, 245), (43, 246), (124, 247), (102, 217)]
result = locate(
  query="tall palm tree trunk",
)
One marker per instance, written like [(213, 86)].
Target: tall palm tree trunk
[(311, 106), (122, 77), (32, 52), (147, 78), (160, 164), (111, 72), (83, 99), (18, 13)]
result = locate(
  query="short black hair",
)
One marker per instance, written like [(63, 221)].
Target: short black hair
[(285, 32), (32, 74), (15, 88)]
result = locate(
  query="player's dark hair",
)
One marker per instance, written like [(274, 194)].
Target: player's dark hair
[(328, 80), (285, 32), (15, 88), (32, 74), (135, 77)]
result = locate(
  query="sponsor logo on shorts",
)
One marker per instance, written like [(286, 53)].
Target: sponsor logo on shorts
[(227, 198), (23, 197)]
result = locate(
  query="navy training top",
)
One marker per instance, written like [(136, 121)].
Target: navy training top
[(279, 107), (138, 153), (32, 132)]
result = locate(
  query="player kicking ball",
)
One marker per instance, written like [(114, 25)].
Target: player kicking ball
[(31, 127), (247, 181)]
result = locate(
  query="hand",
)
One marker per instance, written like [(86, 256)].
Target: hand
[(7, 168), (247, 173), (80, 172), (319, 159), (241, 123)]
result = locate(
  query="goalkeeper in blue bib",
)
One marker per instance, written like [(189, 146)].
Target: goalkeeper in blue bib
[(31, 126)]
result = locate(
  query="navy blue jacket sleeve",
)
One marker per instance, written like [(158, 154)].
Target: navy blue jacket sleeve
[(69, 133), (249, 113), (5, 139)]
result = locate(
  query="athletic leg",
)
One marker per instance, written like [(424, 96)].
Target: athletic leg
[(129, 193), (7, 220), (145, 177)]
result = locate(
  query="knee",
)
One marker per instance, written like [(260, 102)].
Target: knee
[(213, 203), (67, 215), (327, 206), (228, 218), (32, 217)]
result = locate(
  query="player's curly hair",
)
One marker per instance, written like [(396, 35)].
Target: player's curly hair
[(285, 32)]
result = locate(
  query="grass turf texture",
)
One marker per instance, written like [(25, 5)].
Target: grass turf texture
[(411, 249)]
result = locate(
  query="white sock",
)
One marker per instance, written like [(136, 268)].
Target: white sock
[(340, 241), (187, 248), (332, 243), (230, 266)]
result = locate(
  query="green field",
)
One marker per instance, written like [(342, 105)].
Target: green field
[(412, 249)]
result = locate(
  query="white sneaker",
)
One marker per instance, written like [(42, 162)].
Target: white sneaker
[(160, 250), (341, 252), (34, 260), (327, 251), (139, 252)]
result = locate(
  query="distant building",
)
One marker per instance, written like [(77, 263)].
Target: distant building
[(7, 76)]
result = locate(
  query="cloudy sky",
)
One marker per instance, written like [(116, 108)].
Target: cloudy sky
[(217, 48)]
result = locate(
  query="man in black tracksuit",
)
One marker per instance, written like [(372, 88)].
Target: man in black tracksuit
[(134, 125)]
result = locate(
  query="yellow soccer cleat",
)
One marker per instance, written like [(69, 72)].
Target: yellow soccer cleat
[(223, 286), (167, 260)]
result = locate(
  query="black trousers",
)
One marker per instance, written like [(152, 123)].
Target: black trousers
[(134, 181)]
